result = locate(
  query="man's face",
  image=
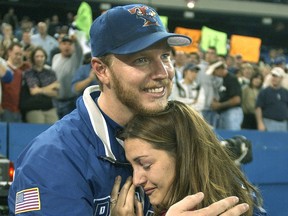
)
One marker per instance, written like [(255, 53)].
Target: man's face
[(190, 75), (211, 56), (66, 48), (219, 72), (276, 80), (143, 81), (16, 56), (42, 28), (26, 37)]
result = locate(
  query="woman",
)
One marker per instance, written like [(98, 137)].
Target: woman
[(175, 153), (42, 87), (249, 97)]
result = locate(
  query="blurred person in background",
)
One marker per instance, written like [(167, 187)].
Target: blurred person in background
[(229, 103), (65, 65), (211, 85), (42, 38), (272, 104), (194, 58), (11, 91), (7, 35), (26, 38), (231, 64), (248, 102), (11, 18), (6, 76), (180, 60), (244, 74), (84, 76), (42, 86), (279, 61), (188, 90)]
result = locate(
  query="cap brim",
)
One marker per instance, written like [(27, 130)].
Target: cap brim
[(276, 74), (150, 39)]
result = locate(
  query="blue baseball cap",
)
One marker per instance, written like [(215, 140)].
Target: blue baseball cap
[(129, 29)]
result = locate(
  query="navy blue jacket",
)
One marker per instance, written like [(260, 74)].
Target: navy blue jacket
[(68, 166)]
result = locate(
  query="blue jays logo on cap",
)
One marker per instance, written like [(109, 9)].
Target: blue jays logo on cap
[(145, 13)]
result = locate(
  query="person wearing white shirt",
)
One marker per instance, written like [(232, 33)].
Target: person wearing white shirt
[(188, 90)]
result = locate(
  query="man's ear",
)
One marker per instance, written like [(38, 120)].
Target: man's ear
[(100, 69)]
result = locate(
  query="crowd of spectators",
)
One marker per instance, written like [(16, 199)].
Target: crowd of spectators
[(47, 60)]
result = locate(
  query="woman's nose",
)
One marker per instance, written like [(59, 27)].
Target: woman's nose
[(139, 178)]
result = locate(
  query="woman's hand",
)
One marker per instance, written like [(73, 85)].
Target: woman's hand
[(124, 203)]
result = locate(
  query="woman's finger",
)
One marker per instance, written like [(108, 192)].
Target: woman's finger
[(124, 191), (138, 207), (115, 190)]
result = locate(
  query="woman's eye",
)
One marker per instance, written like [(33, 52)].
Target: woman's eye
[(146, 166)]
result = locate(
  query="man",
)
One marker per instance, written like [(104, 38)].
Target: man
[(11, 91), (42, 38), (229, 104), (180, 60), (210, 85), (6, 76), (279, 61), (272, 104), (65, 65), (188, 90), (72, 166)]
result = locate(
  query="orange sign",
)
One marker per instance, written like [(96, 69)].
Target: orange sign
[(192, 33), (248, 47)]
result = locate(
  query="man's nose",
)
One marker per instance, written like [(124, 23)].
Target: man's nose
[(161, 69)]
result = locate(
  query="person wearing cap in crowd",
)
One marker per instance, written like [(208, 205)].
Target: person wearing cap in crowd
[(188, 90), (272, 104), (65, 65), (210, 85), (229, 104), (279, 61), (71, 167)]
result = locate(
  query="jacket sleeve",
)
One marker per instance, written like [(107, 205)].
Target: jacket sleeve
[(58, 174)]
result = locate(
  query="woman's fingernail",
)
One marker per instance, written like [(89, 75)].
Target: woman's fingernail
[(245, 206), (235, 199), (200, 194)]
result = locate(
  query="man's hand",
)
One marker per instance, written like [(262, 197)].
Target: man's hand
[(224, 207)]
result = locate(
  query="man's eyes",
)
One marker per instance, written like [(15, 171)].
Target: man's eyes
[(144, 60), (141, 60)]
